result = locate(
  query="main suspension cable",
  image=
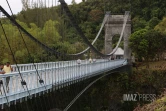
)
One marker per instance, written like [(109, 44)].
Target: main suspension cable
[(52, 50), (40, 79), (72, 20), (40, 43), (103, 23), (121, 35), (22, 80), (29, 35)]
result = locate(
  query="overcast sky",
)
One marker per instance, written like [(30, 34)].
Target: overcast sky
[(16, 5)]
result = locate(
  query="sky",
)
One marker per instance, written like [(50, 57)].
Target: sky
[(16, 5)]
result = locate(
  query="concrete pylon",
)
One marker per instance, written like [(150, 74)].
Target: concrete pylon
[(113, 27)]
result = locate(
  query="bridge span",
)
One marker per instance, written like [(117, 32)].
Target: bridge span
[(55, 75)]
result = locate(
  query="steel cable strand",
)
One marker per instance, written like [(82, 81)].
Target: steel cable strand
[(74, 82), (48, 57), (51, 96), (7, 100), (97, 36), (46, 47), (45, 96), (111, 53), (68, 93), (55, 85), (72, 20), (68, 13), (62, 88), (79, 83), (22, 80), (59, 83), (121, 35), (1, 84), (40, 79), (37, 100), (73, 101), (32, 37), (46, 90), (29, 35)]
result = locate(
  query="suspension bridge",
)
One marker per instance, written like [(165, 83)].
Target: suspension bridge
[(33, 79)]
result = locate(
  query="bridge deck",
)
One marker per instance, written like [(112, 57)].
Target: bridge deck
[(52, 73)]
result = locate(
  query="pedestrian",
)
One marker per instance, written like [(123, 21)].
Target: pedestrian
[(7, 69), (79, 61), (90, 60)]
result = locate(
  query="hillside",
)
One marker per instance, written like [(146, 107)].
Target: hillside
[(52, 27), (158, 105)]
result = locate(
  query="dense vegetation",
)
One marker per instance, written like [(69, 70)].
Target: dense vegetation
[(52, 27)]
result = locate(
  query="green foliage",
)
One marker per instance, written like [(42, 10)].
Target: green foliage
[(115, 40), (50, 32), (153, 22), (137, 43), (48, 35), (138, 23), (146, 43), (52, 27), (161, 26)]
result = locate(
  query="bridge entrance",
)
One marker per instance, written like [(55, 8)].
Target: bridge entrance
[(113, 27)]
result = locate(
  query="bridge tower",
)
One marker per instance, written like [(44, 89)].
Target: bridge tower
[(113, 27)]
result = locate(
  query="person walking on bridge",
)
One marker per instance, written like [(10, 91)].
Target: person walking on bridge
[(7, 69)]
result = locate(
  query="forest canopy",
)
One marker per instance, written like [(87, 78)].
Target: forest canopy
[(52, 27)]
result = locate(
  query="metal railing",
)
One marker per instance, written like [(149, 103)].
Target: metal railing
[(44, 65), (56, 73)]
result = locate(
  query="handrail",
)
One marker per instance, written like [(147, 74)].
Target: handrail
[(54, 77), (53, 68)]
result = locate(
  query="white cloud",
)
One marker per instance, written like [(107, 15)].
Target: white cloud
[(16, 5)]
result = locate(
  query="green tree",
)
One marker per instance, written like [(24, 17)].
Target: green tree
[(50, 32), (138, 23), (161, 26), (146, 43), (153, 22)]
